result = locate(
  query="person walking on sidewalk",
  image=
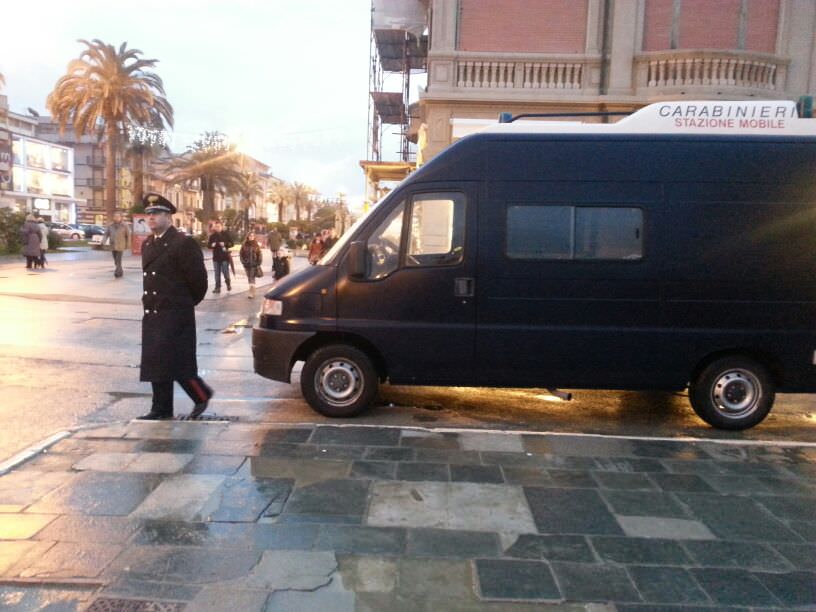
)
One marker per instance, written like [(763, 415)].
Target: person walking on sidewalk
[(251, 259), (43, 240), (117, 235), (175, 280), (220, 244), (31, 236)]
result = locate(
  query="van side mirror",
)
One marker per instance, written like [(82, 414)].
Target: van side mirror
[(356, 259)]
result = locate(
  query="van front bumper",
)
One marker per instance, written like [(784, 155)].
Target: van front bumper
[(273, 351)]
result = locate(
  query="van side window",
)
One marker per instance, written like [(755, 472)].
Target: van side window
[(437, 230), (574, 232), (384, 245)]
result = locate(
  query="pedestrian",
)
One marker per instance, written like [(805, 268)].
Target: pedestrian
[(281, 263), (32, 236), (251, 259), (220, 244), (274, 241), (315, 250), (117, 235), (175, 280), (330, 239), (43, 240)]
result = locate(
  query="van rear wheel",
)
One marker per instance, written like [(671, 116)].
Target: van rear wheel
[(339, 381), (732, 393)]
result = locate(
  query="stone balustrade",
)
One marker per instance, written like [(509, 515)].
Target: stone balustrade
[(492, 74)]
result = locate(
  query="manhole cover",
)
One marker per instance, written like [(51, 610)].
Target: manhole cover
[(107, 604)]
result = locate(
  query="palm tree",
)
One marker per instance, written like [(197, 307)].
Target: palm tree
[(300, 197), (213, 163), (251, 186), (143, 145), (104, 91), (279, 195)]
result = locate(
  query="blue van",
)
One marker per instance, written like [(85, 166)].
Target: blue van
[(675, 248)]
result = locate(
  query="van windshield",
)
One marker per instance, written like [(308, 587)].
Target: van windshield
[(331, 254)]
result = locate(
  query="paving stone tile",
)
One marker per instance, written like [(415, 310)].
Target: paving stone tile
[(736, 518), (419, 578), (182, 497), (51, 462), (575, 511), (652, 607), (573, 479), (239, 448), (86, 446), (588, 446), (304, 473), (71, 560), (606, 464), (613, 480), (188, 565), (176, 430), (441, 543), (424, 439), (701, 468), (735, 485), (20, 553), (551, 548), (187, 447), (387, 453), (289, 569), (423, 471), (368, 574), (444, 455), (357, 540), (181, 533), (457, 505), (644, 503), (792, 589), (247, 499), (519, 580), (285, 537), (527, 476), (24, 598), (217, 599), (665, 449), (789, 507), (800, 556), (374, 470), (561, 462), (752, 469), (159, 463), (338, 498), (586, 582), (21, 488), (476, 473), (226, 465), (95, 529), (682, 482), (732, 587), (117, 430), (787, 486), (640, 551), (804, 529), (743, 555), (22, 526), (482, 441), (666, 585), (356, 436), (295, 435), (126, 587), (105, 462), (97, 493), (660, 527), (515, 460)]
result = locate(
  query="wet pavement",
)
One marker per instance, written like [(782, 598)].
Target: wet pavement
[(248, 516)]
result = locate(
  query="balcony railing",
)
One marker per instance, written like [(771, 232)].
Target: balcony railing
[(670, 70), (519, 74)]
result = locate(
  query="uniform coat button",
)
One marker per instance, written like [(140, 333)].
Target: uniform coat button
[(144, 273), (154, 293), (147, 311), (153, 273), (145, 292)]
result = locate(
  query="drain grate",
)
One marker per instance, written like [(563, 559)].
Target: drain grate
[(207, 418), (108, 604)]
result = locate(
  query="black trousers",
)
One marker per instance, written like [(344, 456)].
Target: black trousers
[(117, 263), (196, 388)]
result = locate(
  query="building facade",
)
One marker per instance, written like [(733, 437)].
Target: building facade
[(553, 56)]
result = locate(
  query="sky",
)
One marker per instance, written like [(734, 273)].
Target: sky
[(287, 81)]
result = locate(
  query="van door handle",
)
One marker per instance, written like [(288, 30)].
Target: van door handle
[(463, 287)]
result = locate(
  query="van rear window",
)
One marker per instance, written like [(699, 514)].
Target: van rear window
[(560, 232)]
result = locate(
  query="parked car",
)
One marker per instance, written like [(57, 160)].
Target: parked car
[(65, 230), (92, 230)]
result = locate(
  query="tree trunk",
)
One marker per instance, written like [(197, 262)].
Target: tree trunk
[(138, 176), (110, 171), (208, 203), (280, 211)]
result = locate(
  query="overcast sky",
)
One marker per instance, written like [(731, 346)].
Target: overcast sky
[(288, 81)]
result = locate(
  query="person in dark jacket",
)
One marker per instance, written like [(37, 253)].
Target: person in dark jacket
[(31, 235), (251, 259), (220, 244), (175, 280)]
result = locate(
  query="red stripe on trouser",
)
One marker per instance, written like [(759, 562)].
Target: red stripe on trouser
[(203, 395)]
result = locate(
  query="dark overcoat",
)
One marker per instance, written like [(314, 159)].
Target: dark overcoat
[(175, 280)]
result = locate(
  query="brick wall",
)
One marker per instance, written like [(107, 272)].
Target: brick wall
[(657, 25), (709, 25), (763, 22), (523, 26)]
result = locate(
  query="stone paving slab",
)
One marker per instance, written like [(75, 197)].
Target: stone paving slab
[(229, 516)]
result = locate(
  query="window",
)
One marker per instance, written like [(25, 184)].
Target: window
[(574, 232), (384, 244), (60, 185), (37, 182), (59, 159), (36, 154), (437, 230)]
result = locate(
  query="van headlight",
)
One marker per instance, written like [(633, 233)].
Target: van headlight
[(272, 307)]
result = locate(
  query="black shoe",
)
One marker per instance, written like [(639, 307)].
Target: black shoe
[(229, 287), (216, 290), (155, 416), (198, 410)]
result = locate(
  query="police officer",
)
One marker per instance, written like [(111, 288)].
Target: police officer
[(175, 280)]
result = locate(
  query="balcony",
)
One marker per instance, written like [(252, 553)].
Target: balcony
[(512, 75), (667, 73)]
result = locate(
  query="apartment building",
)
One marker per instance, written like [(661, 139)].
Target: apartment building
[(550, 56)]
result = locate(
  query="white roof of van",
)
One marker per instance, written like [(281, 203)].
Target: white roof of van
[(755, 117)]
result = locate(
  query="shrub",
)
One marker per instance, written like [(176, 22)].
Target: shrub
[(54, 240), (10, 225)]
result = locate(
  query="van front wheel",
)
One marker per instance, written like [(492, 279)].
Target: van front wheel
[(339, 381), (732, 393)]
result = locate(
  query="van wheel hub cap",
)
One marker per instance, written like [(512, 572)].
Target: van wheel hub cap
[(339, 382), (736, 393)]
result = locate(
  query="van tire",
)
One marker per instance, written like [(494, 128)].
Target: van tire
[(732, 393), (339, 381)]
